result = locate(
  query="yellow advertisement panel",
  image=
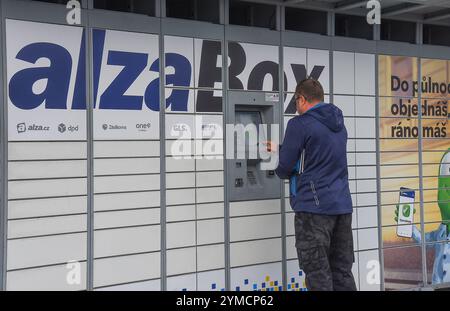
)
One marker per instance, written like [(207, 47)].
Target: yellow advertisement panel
[(400, 129)]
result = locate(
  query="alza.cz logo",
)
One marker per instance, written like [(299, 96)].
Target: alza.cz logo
[(22, 127), (130, 65)]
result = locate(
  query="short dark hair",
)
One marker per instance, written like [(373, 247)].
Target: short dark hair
[(310, 89)]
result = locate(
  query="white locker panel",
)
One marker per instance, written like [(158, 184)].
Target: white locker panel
[(368, 145), (290, 223), (263, 276), (353, 196), (206, 195), (46, 207), (51, 278), (247, 208), (210, 231), (295, 276), (183, 46), (343, 72), (351, 158), (369, 270), (351, 172), (367, 185), (112, 219), (180, 212), (210, 257), (46, 188), (365, 127), (46, 226), (180, 180), (366, 172), (209, 179), (366, 199), (350, 127), (291, 56), (180, 234), (212, 148), (210, 210), (113, 242), (119, 201), (355, 239), (209, 164), (286, 189), (355, 270), (180, 126), (291, 251), (367, 216), (180, 196), (255, 227), (365, 106), (153, 285), (355, 218), (366, 158), (186, 282), (48, 250), (254, 252), (120, 149), (46, 150), (346, 104), (211, 280), (317, 58), (364, 74), (210, 125), (190, 101), (352, 186), (180, 149), (126, 166), (181, 260), (123, 269), (46, 169), (179, 165), (351, 144), (110, 184), (367, 238)]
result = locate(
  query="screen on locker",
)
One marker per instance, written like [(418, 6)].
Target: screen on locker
[(245, 118)]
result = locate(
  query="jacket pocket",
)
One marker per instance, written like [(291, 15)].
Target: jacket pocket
[(311, 259)]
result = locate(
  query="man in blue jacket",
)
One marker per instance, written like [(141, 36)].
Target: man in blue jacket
[(315, 143)]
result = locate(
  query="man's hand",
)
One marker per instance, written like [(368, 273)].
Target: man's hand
[(396, 213), (271, 146)]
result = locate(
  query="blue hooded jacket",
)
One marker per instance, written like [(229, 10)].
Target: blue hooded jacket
[(322, 187)]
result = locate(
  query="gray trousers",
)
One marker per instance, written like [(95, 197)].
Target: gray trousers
[(325, 251)]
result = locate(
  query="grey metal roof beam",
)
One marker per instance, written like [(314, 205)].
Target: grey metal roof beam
[(436, 16), (349, 4), (292, 1)]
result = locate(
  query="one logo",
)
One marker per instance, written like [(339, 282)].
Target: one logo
[(143, 127), (105, 126), (21, 127), (62, 128)]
